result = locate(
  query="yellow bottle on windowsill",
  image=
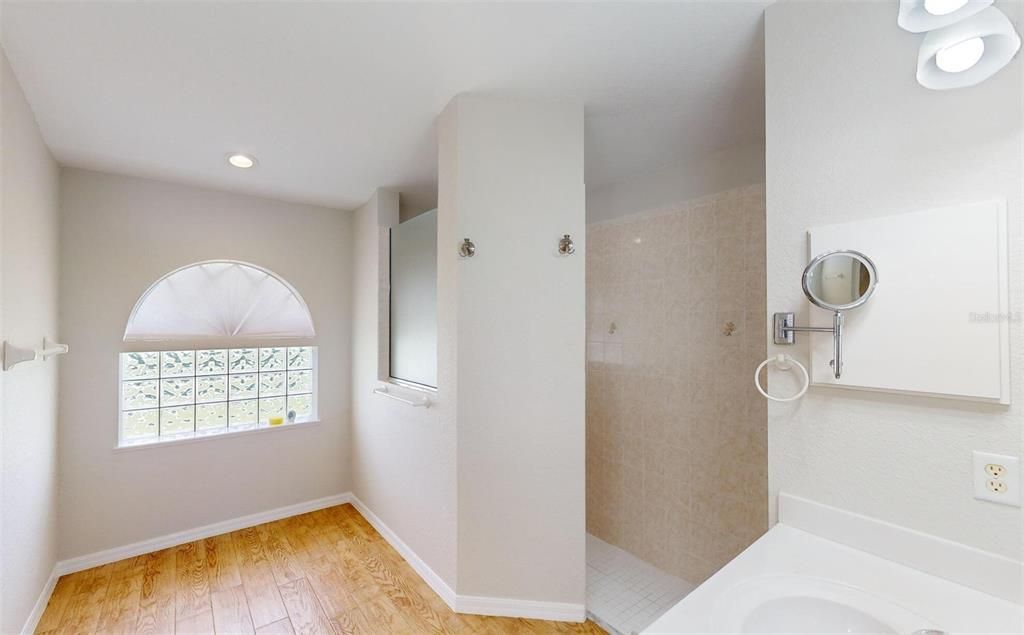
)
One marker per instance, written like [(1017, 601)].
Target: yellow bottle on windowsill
[(276, 421)]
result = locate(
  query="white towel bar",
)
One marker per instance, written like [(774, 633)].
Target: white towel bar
[(14, 355), (423, 402)]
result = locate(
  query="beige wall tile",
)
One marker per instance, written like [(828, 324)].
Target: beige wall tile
[(676, 439)]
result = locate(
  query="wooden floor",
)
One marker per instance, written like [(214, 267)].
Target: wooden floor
[(327, 571)]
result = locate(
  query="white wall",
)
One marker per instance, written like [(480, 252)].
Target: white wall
[(511, 179), (680, 181), (850, 134), (118, 234), (28, 311), (403, 459), (487, 485)]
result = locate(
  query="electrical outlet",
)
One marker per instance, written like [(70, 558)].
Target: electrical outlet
[(995, 470), (996, 486), (997, 478)]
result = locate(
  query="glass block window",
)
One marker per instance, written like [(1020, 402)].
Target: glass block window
[(180, 394)]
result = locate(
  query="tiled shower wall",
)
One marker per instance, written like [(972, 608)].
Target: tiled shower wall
[(676, 432)]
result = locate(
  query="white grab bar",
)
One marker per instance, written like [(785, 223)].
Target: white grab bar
[(423, 402)]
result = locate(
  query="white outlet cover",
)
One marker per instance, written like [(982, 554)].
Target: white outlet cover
[(1012, 478)]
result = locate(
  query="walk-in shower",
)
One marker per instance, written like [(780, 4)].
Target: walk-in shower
[(676, 432)]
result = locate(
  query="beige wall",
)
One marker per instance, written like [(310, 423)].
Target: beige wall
[(28, 312), (676, 438), (118, 235), (850, 134)]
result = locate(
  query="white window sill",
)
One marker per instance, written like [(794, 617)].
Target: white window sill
[(407, 385), (228, 433)]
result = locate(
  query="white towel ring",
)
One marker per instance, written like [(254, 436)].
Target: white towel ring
[(782, 362)]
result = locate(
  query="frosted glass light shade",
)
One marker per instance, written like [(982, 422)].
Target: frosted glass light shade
[(915, 17), (217, 299), (1001, 43), (943, 7), (960, 57)]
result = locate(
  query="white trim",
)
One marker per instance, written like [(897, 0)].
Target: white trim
[(981, 570), (433, 580), (44, 598), (1003, 246), (170, 540), (475, 605), (530, 609), (210, 436), (501, 607)]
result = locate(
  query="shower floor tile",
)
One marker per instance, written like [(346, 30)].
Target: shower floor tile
[(624, 593)]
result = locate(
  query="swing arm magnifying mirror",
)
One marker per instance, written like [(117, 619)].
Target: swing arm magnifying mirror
[(836, 281)]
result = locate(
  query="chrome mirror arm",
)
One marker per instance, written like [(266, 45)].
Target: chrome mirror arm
[(785, 329), (837, 344)]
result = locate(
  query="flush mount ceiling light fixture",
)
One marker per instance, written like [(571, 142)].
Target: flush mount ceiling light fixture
[(242, 161), (918, 16), (967, 52)]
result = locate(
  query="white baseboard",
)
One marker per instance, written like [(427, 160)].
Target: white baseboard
[(433, 580), (502, 607), (171, 540), (107, 556), (530, 609), (44, 597), (474, 605), (980, 570)]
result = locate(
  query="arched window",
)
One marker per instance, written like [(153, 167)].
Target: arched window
[(169, 395), (219, 298)]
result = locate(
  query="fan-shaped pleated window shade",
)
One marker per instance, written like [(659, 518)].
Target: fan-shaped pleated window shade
[(219, 298)]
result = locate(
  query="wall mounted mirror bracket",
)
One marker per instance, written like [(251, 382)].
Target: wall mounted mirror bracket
[(836, 281), (786, 329)]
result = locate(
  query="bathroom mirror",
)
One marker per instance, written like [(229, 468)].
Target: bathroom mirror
[(836, 281), (840, 280)]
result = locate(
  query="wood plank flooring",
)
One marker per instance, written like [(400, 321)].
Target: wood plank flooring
[(327, 571)]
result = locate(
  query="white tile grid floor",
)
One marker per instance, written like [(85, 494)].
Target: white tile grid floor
[(624, 593)]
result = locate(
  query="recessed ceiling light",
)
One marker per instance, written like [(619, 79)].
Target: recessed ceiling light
[(241, 161), (961, 56), (942, 7)]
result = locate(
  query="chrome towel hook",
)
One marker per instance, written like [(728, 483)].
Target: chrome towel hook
[(467, 249), (565, 246)]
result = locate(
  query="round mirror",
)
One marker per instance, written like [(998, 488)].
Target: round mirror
[(840, 280)]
